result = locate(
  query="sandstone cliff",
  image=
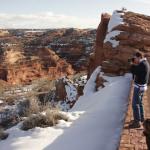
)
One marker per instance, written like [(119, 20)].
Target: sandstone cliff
[(25, 65), (118, 37)]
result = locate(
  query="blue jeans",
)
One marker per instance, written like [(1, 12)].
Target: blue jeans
[(137, 105)]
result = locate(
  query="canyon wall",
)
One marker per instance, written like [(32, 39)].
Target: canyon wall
[(24, 66)]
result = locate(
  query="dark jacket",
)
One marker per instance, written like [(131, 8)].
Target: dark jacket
[(141, 72), (132, 70)]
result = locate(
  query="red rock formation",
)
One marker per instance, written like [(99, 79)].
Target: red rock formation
[(101, 33), (134, 36), (24, 67), (100, 36), (99, 82), (60, 90)]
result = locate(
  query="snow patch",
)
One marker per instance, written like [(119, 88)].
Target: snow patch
[(1, 102), (90, 85), (110, 37), (73, 115), (63, 124), (115, 20), (35, 139), (81, 81), (71, 92)]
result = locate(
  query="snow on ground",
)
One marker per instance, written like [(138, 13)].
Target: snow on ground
[(115, 20), (81, 81), (1, 102), (90, 86), (71, 91), (96, 122), (37, 138)]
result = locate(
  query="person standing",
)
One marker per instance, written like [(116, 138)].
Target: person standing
[(141, 77)]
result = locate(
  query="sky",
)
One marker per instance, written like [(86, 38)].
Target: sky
[(62, 13)]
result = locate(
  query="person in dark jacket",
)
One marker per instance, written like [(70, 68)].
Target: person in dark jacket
[(141, 76), (133, 67)]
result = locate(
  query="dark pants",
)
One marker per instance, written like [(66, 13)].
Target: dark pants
[(137, 105)]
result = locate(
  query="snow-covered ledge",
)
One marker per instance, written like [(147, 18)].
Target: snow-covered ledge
[(129, 101), (101, 124)]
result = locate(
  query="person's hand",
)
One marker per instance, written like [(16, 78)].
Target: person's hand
[(142, 89)]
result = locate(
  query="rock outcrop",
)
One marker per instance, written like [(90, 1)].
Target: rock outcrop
[(97, 57), (99, 82), (61, 93), (66, 93), (25, 65), (72, 44), (118, 37)]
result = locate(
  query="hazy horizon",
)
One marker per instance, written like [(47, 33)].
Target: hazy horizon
[(48, 14)]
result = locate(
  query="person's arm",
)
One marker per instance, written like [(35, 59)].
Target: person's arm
[(132, 70)]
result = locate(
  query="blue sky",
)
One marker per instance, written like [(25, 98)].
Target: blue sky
[(62, 13)]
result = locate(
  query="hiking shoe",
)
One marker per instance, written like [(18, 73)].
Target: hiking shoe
[(135, 124)]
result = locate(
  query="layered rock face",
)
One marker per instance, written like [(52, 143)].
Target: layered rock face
[(24, 66), (26, 55), (74, 45), (118, 38)]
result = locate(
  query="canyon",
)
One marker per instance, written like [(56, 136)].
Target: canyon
[(27, 55)]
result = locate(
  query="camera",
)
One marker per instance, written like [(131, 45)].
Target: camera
[(131, 60)]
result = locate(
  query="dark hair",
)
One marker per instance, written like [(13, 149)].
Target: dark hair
[(132, 59), (139, 54)]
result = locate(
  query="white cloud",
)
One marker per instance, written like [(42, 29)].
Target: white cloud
[(143, 1), (45, 20)]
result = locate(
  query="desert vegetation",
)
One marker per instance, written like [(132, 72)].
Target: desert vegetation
[(48, 118), (3, 134)]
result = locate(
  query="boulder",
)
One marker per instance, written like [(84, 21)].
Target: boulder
[(3, 134), (99, 82), (60, 90)]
